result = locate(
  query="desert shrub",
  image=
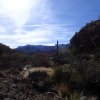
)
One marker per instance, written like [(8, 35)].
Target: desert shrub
[(73, 51), (58, 75), (62, 73), (75, 96), (86, 76), (40, 59)]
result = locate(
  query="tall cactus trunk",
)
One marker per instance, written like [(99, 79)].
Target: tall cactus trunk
[(57, 53)]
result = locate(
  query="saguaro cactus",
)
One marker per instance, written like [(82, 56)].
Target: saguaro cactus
[(57, 47)]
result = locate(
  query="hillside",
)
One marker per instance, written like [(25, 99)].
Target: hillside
[(10, 58), (88, 38), (5, 49), (85, 54)]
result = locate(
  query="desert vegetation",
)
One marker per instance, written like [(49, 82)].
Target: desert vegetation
[(71, 73)]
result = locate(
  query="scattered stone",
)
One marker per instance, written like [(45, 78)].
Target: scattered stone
[(12, 87)]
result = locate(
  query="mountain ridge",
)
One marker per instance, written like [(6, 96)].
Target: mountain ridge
[(39, 48)]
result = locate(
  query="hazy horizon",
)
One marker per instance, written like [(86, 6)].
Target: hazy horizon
[(43, 22)]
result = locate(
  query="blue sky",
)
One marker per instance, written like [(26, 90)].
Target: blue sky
[(44, 22)]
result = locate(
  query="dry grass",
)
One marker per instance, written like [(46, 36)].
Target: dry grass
[(26, 71)]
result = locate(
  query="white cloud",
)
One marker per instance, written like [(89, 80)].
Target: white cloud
[(41, 35), (2, 30), (17, 10), (29, 22)]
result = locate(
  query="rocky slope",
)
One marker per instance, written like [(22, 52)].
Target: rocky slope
[(13, 87), (88, 38)]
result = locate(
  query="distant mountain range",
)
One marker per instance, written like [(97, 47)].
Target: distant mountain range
[(39, 48)]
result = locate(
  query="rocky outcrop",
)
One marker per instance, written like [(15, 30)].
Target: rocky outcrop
[(88, 38)]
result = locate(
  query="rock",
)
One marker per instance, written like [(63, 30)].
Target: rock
[(84, 98)]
